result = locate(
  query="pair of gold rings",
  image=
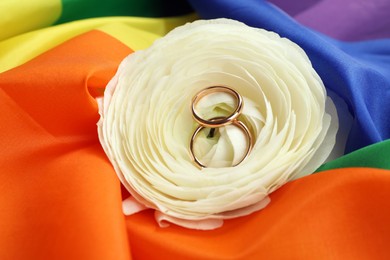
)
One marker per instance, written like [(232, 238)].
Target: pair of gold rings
[(220, 121)]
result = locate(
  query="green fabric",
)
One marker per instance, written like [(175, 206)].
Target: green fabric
[(374, 156), (81, 9)]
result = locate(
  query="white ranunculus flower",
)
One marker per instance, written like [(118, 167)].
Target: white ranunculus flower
[(146, 122)]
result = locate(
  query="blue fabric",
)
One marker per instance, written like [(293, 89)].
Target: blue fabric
[(359, 72)]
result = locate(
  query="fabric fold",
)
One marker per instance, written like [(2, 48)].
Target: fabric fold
[(322, 216), (60, 198)]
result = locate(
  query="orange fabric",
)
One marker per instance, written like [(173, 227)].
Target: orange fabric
[(60, 198), (337, 214)]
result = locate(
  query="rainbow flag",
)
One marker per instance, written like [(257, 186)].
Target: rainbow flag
[(60, 197)]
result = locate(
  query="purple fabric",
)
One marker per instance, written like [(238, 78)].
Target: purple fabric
[(342, 19)]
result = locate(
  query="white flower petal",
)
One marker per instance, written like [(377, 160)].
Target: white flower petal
[(146, 122)]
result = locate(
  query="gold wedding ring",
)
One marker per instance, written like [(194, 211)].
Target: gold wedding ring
[(220, 121)]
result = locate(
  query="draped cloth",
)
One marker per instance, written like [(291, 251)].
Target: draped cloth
[(60, 197)]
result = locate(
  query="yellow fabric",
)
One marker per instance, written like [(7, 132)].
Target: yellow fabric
[(140, 33), (134, 38), (36, 14)]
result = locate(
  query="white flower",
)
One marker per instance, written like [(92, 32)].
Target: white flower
[(146, 122)]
